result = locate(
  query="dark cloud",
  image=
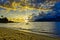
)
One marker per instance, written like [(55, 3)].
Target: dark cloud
[(32, 3), (7, 3)]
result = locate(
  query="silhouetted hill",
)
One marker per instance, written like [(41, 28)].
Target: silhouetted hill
[(5, 20)]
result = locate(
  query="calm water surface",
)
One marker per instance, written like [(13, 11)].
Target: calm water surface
[(48, 27)]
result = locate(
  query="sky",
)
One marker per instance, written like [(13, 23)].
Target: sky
[(20, 11), (12, 13)]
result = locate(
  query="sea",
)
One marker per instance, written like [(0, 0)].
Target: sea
[(43, 28)]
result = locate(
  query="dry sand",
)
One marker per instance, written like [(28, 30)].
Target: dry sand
[(10, 34)]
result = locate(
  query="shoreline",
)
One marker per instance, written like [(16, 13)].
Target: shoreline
[(11, 34)]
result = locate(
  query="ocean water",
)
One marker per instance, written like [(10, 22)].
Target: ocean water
[(37, 27)]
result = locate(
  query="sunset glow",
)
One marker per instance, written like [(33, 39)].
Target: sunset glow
[(22, 7)]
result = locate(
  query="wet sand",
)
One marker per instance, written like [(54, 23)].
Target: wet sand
[(10, 34)]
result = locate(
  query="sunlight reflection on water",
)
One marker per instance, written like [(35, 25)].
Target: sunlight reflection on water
[(49, 27), (39, 26)]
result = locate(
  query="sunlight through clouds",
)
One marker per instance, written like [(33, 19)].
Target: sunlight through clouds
[(22, 7)]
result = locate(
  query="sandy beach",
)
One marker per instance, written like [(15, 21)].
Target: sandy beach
[(10, 34)]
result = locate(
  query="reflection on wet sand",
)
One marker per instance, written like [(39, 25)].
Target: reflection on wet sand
[(10, 34), (32, 27)]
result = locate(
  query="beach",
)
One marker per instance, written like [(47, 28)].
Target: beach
[(11, 34)]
